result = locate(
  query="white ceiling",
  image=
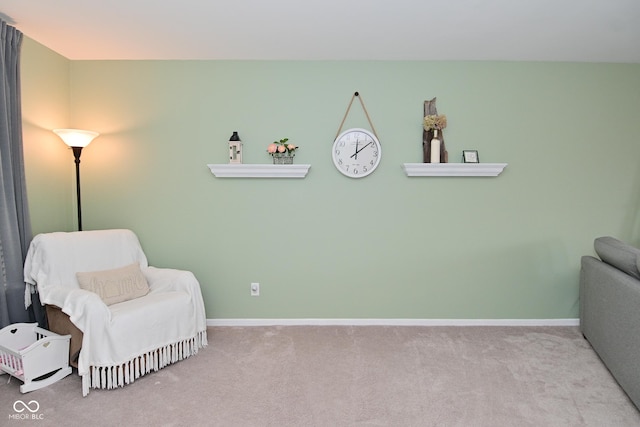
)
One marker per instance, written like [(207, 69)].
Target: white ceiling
[(519, 30)]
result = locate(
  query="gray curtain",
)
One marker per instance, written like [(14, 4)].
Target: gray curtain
[(15, 227)]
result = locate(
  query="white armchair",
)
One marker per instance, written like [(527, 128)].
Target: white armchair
[(120, 340)]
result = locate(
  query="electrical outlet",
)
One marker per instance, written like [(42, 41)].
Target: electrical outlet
[(255, 289)]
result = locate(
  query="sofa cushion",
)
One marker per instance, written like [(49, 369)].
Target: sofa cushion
[(618, 254), (117, 285)]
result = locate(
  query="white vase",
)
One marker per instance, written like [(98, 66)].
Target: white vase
[(435, 147)]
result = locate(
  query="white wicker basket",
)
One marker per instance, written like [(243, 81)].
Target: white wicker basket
[(283, 159)]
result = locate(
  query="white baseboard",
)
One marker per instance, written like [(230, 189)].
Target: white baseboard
[(393, 322)]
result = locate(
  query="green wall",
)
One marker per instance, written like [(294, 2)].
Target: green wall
[(49, 163), (386, 246)]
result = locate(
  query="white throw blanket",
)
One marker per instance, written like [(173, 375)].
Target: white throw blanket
[(126, 340)]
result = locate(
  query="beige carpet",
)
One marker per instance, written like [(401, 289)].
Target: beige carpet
[(355, 376)]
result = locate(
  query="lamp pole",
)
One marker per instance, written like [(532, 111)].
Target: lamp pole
[(76, 153)]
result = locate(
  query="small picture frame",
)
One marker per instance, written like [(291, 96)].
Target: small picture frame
[(470, 156)]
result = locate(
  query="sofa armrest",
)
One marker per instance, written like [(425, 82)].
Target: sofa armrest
[(60, 323), (169, 279), (77, 308), (618, 254)]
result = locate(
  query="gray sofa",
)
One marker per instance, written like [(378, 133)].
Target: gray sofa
[(610, 310)]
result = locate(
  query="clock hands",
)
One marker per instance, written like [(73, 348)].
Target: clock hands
[(357, 151)]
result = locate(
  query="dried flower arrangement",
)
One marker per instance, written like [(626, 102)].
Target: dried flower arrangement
[(435, 122)]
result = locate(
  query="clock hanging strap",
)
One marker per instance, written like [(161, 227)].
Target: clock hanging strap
[(366, 113)]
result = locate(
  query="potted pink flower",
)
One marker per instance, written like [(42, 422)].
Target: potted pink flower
[(282, 151)]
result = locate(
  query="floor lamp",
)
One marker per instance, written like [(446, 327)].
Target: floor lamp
[(77, 139)]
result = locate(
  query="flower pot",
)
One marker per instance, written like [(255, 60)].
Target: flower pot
[(283, 159)]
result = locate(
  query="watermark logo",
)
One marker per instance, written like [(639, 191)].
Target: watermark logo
[(20, 406), (26, 411)]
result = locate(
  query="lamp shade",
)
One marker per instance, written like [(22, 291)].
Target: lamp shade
[(76, 137)]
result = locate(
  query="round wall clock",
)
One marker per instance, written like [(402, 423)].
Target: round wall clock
[(356, 153)]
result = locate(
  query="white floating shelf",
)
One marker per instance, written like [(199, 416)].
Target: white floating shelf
[(453, 169), (229, 170)]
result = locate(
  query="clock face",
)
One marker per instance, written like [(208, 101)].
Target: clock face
[(356, 153)]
